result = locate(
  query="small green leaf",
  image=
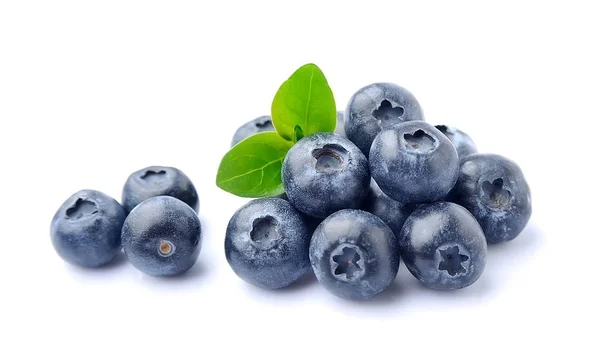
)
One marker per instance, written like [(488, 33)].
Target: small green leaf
[(252, 168), (304, 105)]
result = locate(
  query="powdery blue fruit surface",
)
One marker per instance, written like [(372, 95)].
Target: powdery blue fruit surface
[(162, 236), (339, 126), (324, 173), (463, 143), (86, 229), (377, 107), (258, 125), (443, 246), (493, 188), (266, 243), (354, 254), (392, 212), (158, 181), (414, 163)]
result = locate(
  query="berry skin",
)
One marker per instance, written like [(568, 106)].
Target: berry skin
[(266, 243), (324, 173), (392, 212), (86, 229), (354, 254), (493, 188), (158, 181), (258, 125), (443, 246), (377, 107), (339, 126), (414, 163), (462, 142), (161, 236)]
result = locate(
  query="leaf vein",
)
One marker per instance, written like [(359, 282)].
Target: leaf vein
[(310, 84), (252, 171)]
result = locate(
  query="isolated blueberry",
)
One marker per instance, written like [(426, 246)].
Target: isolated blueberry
[(266, 243), (378, 107), (414, 163), (493, 188), (161, 236), (324, 173), (258, 125), (392, 212), (462, 142), (354, 254), (86, 229), (339, 126), (158, 181), (443, 246)]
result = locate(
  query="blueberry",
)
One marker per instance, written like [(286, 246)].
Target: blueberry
[(312, 222), (158, 181), (86, 229), (443, 246), (258, 125), (378, 107), (414, 163), (266, 243), (354, 254), (339, 126), (462, 142), (392, 212), (324, 173), (161, 236), (493, 188)]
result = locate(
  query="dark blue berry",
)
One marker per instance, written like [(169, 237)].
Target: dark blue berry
[(258, 125), (158, 181), (86, 229), (339, 126), (266, 243), (493, 188), (378, 107), (324, 173), (414, 163), (354, 254), (392, 212), (162, 236), (443, 246), (462, 142)]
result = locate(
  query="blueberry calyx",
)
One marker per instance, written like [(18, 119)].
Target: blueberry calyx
[(330, 158), (495, 195), (265, 232), (263, 123), (347, 262), (385, 111), (419, 142), (452, 261), (81, 208), (153, 176)]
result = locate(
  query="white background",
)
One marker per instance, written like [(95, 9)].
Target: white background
[(91, 91)]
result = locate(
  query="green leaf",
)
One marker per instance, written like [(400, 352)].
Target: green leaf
[(304, 105), (252, 168)]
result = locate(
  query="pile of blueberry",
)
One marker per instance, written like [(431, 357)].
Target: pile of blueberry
[(385, 187), (157, 224)]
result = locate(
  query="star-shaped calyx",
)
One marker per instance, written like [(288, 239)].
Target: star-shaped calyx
[(347, 262), (419, 141), (494, 193), (386, 112), (81, 208), (452, 261), (151, 176)]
